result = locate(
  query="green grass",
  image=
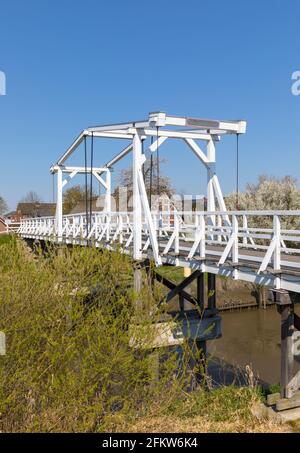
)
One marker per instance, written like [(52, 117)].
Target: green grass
[(174, 273), (6, 238)]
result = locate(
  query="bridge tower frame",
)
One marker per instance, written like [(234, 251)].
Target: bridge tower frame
[(160, 126)]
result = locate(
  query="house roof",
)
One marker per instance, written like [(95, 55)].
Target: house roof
[(37, 209), (97, 205)]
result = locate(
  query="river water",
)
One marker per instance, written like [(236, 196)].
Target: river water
[(251, 340)]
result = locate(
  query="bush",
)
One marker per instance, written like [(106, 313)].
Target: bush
[(69, 365), (67, 314)]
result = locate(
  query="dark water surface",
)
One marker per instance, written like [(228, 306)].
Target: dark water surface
[(250, 337)]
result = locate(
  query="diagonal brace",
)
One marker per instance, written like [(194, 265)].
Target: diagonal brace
[(172, 286), (179, 288)]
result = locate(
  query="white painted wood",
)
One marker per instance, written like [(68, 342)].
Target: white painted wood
[(197, 151), (59, 205), (137, 207), (277, 239)]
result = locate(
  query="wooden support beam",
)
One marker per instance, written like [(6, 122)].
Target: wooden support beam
[(296, 321), (288, 403), (173, 287), (200, 291), (287, 359), (137, 286), (187, 271), (150, 273), (285, 308), (201, 370), (211, 291), (179, 288)]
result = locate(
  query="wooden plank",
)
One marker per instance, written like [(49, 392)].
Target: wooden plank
[(288, 403), (174, 332), (294, 384), (273, 398)]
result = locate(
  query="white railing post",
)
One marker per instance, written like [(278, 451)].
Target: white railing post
[(121, 228), (235, 246), (176, 229), (245, 229), (137, 207), (82, 227), (108, 202), (59, 205), (96, 227), (211, 206), (202, 231), (277, 236), (219, 225)]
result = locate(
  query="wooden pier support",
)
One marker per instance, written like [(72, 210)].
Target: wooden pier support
[(201, 291), (195, 322), (185, 304), (137, 286), (211, 291), (289, 384)]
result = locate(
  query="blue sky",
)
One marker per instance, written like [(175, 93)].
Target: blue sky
[(71, 64)]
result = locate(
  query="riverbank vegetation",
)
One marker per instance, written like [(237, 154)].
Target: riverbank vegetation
[(68, 316)]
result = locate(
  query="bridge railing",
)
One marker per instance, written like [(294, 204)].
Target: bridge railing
[(264, 239)]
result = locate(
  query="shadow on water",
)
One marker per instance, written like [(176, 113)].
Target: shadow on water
[(250, 343)]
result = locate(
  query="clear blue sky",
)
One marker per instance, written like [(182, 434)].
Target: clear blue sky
[(71, 64)]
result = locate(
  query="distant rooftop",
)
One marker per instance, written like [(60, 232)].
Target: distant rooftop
[(36, 209)]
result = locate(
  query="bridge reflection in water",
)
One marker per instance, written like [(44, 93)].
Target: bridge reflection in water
[(250, 338)]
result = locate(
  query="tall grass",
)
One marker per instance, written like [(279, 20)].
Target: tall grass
[(67, 314)]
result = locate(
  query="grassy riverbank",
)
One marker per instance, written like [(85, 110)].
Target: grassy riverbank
[(67, 317)]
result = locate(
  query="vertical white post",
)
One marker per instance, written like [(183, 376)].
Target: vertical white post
[(108, 192), (277, 236), (245, 229), (121, 228), (59, 205), (235, 246), (176, 229), (137, 207), (202, 230), (219, 225), (211, 155), (108, 203)]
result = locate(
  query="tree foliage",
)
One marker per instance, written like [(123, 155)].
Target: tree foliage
[(73, 195), (31, 197), (269, 193), (155, 181), (3, 205)]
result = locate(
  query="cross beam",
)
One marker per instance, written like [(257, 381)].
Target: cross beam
[(179, 288)]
